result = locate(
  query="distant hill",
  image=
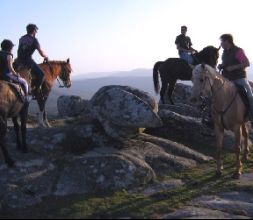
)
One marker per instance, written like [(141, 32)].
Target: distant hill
[(86, 86), (141, 72)]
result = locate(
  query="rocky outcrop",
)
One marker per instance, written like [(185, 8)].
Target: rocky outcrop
[(78, 157), (71, 106), (123, 110)]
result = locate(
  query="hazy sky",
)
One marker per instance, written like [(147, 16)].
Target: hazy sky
[(111, 35)]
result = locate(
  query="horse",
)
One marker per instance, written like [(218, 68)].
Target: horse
[(12, 106), (228, 111), (173, 69), (53, 70)]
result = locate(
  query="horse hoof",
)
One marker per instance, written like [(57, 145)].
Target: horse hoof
[(25, 151), (218, 174), (245, 158), (10, 163), (236, 176)]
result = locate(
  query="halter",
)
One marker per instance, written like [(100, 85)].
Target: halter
[(52, 71)]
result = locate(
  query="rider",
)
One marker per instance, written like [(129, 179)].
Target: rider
[(234, 62), (27, 45), (184, 46), (6, 66)]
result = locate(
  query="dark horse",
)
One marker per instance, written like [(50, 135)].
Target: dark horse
[(53, 70), (173, 69), (12, 106)]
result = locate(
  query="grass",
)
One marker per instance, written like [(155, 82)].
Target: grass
[(199, 181)]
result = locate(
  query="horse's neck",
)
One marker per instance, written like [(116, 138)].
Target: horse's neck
[(54, 69), (223, 91)]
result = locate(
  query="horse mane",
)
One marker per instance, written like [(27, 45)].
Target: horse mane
[(57, 62), (214, 73), (206, 51)]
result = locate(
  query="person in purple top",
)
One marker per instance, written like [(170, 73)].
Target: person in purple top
[(27, 46), (234, 63)]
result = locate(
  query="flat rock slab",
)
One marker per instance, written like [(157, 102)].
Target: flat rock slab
[(245, 180), (191, 212)]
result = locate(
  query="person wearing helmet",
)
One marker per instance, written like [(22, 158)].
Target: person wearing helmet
[(7, 71), (27, 46)]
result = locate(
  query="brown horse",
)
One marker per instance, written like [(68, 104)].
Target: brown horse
[(53, 70), (228, 111), (12, 106)]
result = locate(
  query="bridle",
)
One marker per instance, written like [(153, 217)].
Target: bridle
[(62, 76)]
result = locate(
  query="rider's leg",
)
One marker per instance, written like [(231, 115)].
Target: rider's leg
[(39, 73), (245, 83), (21, 81), (187, 57)]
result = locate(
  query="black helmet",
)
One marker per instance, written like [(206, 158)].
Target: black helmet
[(31, 27), (7, 45)]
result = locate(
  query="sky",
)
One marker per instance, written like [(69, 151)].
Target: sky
[(121, 35)]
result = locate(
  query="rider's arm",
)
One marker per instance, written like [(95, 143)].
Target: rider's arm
[(42, 53), (181, 49), (243, 60), (10, 65)]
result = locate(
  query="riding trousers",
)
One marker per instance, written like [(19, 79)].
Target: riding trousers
[(244, 82), (187, 57), (19, 80), (39, 73)]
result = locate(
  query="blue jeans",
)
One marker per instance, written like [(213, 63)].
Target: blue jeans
[(187, 57), (244, 82), (39, 73)]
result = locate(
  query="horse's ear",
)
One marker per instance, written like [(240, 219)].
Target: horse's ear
[(68, 60)]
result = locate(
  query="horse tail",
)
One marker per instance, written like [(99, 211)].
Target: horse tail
[(155, 77)]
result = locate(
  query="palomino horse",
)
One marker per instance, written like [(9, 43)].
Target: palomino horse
[(11, 106), (53, 70), (173, 69), (228, 111)]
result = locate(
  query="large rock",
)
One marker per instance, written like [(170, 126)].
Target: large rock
[(123, 110), (70, 106), (97, 172)]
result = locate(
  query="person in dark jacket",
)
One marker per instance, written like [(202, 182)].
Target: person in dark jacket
[(7, 71), (234, 63), (27, 46)]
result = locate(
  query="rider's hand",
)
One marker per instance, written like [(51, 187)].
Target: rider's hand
[(230, 68), (46, 59)]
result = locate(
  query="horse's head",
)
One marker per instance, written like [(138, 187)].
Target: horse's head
[(203, 78), (65, 73), (209, 55)]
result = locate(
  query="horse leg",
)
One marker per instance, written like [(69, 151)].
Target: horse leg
[(238, 143), (245, 133), (172, 85), (17, 129), (41, 102), (219, 141), (23, 119), (163, 91), (46, 119), (3, 131)]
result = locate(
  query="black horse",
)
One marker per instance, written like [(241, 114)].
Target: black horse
[(173, 69)]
